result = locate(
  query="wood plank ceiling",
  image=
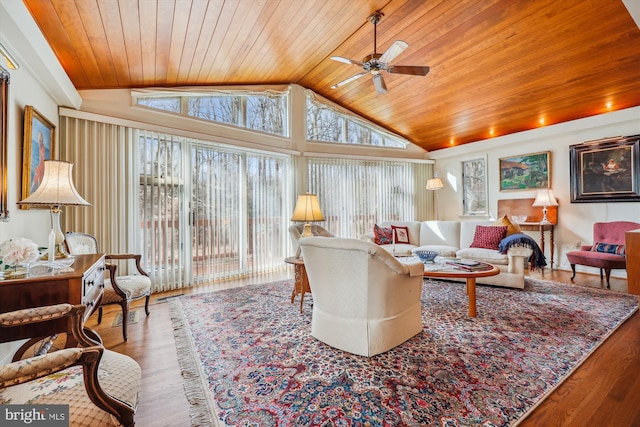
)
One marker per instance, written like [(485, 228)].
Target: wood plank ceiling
[(497, 66)]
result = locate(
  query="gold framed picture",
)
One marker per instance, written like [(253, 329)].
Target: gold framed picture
[(38, 146)]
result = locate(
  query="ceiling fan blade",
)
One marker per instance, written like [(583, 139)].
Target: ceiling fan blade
[(346, 60), (394, 50), (349, 80), (408, 69), (378, 82)]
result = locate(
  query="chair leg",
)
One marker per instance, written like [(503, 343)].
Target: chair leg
[(125, 318), (607, 272), (99, 315), (146, 304), (573, 268), (600, 274)]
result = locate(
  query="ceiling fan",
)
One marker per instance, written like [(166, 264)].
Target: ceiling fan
[(376, 63)]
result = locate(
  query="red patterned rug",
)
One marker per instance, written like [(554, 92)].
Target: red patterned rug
[(248, 358)]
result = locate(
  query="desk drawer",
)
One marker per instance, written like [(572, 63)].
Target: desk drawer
[(92, 286)]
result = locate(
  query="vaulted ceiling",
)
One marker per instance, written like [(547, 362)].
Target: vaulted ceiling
[(497, 66)]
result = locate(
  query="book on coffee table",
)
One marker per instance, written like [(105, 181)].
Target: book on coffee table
[(467, 264)]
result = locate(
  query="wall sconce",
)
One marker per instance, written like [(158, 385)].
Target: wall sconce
[(11, 62)]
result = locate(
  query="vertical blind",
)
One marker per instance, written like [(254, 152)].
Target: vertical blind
[(356, 194)]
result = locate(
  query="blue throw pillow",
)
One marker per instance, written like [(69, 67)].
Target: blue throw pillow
[(608, 248)]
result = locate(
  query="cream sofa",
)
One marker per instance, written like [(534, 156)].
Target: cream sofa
[(365, 301), (453, 239)]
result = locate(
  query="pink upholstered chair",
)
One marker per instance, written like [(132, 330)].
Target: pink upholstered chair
[(607, 251)]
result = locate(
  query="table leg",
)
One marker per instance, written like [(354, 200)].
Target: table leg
[(471, 291), (551, 244)]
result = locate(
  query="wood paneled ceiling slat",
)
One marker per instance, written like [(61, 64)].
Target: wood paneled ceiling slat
[(498, 64)]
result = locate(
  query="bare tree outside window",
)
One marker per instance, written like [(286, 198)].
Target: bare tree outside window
[(474, 187), (223, 109)]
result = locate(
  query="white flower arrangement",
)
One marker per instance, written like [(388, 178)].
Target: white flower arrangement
[(18, 251)]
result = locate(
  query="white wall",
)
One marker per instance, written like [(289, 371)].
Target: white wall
[(575, 220)]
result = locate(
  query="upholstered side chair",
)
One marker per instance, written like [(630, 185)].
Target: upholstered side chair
[(101, 387), (607, 251), (365, 301), (120, 290)]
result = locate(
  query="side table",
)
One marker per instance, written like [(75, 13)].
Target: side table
[(301, 285)]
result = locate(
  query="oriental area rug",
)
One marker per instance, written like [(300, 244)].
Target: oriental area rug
[(248, 358)]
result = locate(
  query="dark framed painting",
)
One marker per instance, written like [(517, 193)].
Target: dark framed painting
[(38, 146), (525, 172), (4, 186), (605, 170)]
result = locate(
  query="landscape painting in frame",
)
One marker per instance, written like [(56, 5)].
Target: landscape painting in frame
[(605, 170), (525, 172), (38, 146)]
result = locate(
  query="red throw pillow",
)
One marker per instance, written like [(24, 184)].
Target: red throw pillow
[(402, 234), (383, 235), (488, 237)]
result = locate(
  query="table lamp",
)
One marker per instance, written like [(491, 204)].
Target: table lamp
[(545, 198), (307, 209), (435, 184), (56, 190)]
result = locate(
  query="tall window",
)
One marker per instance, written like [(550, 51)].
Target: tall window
[(220, 211), (355, 194)]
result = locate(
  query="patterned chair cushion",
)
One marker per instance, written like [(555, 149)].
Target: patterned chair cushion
[(135, 286)]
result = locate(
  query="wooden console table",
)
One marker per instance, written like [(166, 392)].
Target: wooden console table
[(83, 285), (523, 207)]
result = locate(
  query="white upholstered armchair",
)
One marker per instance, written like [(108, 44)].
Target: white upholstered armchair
[(364, 300)]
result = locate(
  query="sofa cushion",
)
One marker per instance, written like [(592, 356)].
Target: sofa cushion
[(511, 227), (401, 234), (483, 254), (608, 248), (399, 249), (440, 233), (383, 235), (488, 237)]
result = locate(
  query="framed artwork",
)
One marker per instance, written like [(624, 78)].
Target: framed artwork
[(38, 146), (474, 187), (4, 187), (605, 170), (525, 172)]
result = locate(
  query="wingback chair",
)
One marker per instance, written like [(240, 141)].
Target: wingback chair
[(365, 301), (296, 230), (119, 290), (97, 384), (607, 251)]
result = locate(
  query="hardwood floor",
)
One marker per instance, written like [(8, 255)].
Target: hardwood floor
[(603, 391)]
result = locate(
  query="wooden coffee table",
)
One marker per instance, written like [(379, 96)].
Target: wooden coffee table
[(470, 276), (301, 280)]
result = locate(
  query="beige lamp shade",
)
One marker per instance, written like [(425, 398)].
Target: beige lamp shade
[(434, 184), (307, 209), (57, 187)]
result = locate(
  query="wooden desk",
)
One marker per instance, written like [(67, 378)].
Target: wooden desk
[(83, 285)]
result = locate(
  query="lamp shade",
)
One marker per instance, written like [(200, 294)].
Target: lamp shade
[(434, 184), (545, 198), (307, 209), (57, 187)]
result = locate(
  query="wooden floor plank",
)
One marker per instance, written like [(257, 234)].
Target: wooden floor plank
[(603, 391)]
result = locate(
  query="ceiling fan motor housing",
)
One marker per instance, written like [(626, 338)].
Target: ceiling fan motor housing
[(371, 63)]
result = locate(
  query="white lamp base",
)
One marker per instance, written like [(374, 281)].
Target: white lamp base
[(307, 231), (60, 252)]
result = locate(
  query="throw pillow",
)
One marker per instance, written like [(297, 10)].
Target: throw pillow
[(608, 248), (489, 236), (511, 227), (402, 234), (383, 235)]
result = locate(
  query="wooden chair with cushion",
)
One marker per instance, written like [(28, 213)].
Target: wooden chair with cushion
[(607, 251), (119, 290), (101, 387)]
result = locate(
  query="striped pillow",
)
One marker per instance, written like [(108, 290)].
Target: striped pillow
[(608, 248)]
